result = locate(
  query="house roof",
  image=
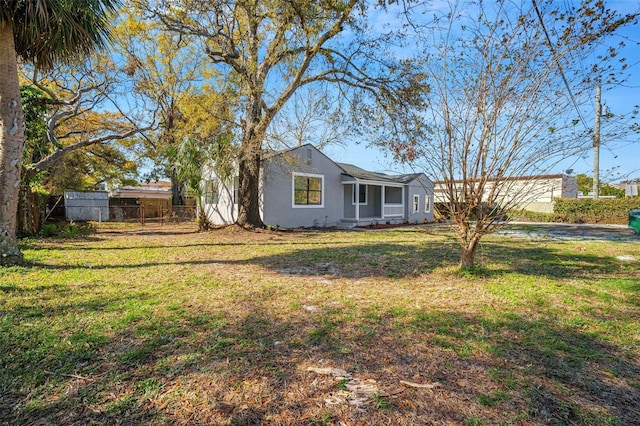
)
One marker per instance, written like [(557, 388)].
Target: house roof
[(510, 178), (142, 191), (362, 174), (354, 171)]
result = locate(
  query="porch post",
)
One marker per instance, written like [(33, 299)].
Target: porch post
[(382, 191), (356, 195)]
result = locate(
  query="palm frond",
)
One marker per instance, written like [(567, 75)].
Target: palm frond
[(47, 31)]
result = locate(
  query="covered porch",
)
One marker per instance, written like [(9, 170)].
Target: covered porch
[(367, 202)]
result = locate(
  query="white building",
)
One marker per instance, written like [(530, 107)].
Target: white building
[(534, 193)]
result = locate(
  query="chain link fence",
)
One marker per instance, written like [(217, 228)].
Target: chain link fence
[(152, 214), (132, 213)]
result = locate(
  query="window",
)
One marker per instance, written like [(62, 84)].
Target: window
[(392, 195), (416, 203), (236, 185), (211, 192), (307, 190), (427, 204), (362, 194)]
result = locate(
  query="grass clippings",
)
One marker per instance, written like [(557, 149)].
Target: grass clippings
[(162, 325)]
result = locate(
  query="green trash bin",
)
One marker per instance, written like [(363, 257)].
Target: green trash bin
[(634, 220)]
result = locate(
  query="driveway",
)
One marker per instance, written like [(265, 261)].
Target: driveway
[(570, 231)]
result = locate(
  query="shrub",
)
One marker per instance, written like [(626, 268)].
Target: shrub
[(529, 216), (48, 230), (587, 210), (71, 230)]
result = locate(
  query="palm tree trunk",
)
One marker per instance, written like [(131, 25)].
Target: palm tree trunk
[(11, 147), (176, 192)]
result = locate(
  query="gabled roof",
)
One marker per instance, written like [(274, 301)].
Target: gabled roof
[(282, 153), (351, 170), (362, 174), (509, 178), (142, 191)]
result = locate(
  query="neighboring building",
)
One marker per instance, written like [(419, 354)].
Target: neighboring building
[(533, 193), (302, 187), (145, 201), (153, 198), (86, 205), (630, 188)]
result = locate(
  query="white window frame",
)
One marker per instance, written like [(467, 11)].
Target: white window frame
[(416, 203), (427, 204), (402, 194), (366, 195), (236, 188), (208, 195), (293, 191)]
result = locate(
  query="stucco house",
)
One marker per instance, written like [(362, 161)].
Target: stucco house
[(302, 187)]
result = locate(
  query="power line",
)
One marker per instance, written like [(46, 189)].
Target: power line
[(555, 59)]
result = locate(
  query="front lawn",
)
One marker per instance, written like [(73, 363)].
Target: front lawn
[(163, 325)]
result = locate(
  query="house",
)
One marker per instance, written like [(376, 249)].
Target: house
[(534, 193), (151, 200), (302, 187), (630, 188)]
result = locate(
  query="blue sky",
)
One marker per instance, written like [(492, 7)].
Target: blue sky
[(619, 158)]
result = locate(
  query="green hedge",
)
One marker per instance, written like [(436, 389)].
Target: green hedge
[(587, 210), (529, 216)]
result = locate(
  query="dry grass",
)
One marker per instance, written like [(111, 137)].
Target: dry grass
[(162, 325)]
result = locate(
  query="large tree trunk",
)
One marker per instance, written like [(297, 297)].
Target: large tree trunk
[(249, 167), (11, 147), (248, 190)]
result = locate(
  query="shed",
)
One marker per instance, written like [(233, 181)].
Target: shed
[(86, 205)]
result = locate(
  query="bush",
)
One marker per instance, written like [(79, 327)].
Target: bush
[(529, 216), (48, 230), (71, 230), (587, 210)]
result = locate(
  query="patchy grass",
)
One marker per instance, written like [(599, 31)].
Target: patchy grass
[(162, 325)]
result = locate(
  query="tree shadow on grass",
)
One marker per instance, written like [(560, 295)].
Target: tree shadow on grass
[(547, 262), (401, 260), (394, 260), (247, 364)]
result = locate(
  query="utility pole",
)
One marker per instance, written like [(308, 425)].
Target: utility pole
[(596, 147)]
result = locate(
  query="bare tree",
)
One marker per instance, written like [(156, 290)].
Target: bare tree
[(313, 116), (509, 81)]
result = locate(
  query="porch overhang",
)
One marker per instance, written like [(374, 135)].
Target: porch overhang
[(388, 211)]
